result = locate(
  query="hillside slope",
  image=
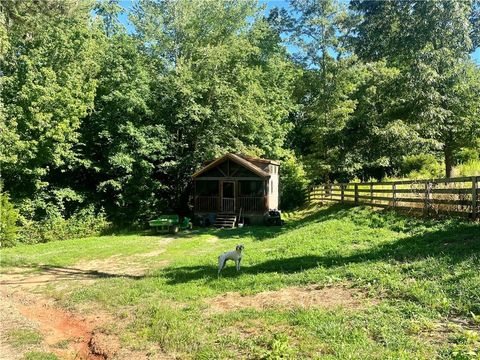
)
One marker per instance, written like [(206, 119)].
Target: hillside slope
[(334, 282)]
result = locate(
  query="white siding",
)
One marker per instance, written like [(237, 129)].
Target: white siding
[(273, 196)]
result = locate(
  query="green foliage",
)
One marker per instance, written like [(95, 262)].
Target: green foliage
[(380, 83), (278, 348), (375, 138), (409, 279), (8, 221), (84, 223), (124, 143), (324, 90), (470, 168), (430, 43), (91, 114), (222, 85), (422, 166), (48, 87), (293, 183), (467, 346), (465, 155)]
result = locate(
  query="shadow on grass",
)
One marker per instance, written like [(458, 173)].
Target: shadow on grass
[(453, 244), (47, 273), (261, 232), (377, 218)]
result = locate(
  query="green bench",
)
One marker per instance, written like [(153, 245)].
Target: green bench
[(170, 223)]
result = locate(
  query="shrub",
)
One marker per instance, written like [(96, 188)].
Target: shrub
[(470, 168), (466, 155), (293, 183), (421, 166), (8, 222), (84, 223)]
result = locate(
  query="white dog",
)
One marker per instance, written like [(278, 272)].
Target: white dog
[(235, 255)]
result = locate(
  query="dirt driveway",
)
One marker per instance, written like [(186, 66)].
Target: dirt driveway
[(23, 311)]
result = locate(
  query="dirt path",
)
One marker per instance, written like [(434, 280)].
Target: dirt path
[(292, 297), (68, 335), (86, 271), (59, 328)]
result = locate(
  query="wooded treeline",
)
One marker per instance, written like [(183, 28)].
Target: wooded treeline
[(94, 117)]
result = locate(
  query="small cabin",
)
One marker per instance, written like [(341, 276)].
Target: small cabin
[(236, 183)]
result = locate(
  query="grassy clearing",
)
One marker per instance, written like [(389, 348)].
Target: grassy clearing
[(71, 251), (421, 275)]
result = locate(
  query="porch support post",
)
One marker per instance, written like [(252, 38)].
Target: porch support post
[(474, 197), (219, 202)]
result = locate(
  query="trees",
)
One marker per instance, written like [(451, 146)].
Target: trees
[(221, 83), (317, 30), (90, 114), (123, 143), (430, 43), (48, 86)]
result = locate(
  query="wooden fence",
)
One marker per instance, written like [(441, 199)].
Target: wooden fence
[(456, 196)]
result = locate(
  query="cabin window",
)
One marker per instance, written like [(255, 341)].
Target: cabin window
[(250, 188), (206, 188), (271, 186)]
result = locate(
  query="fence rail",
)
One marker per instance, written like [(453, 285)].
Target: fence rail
[(459, 196)]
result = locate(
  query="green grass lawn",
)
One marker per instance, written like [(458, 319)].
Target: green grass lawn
[(419, 280)]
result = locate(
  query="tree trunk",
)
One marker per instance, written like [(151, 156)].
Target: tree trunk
[(448, 160)]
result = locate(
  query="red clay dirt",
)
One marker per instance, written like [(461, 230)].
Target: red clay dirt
[(68, 335), (57, 325)]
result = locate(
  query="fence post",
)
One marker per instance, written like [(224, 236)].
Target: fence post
[(371, 194), (474, 197), (426, 205), (394, 194), (341, 193), (356, 194)]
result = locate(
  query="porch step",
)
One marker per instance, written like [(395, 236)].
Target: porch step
[(225, 220)]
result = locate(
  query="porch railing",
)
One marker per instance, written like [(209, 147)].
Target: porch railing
[(228, 205), (206, 203), (246, 203), (251, 203)]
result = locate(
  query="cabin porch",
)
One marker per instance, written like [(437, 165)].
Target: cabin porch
[(230, 195)]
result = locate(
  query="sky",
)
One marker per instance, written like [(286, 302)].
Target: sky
[(270, 4)]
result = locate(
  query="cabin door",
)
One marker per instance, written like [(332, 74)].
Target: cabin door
[(228, 196)]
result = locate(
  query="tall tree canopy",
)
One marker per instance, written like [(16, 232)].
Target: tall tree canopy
[(318, 31), (222, 83), (93, 115), (48, 86), (430, 42), (124, 144)]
